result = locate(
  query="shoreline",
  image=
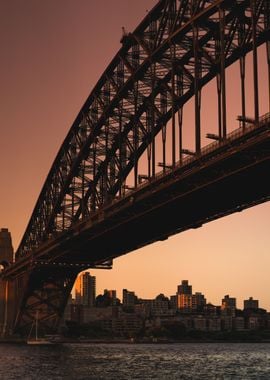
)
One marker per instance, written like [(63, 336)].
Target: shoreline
[(21, 341)]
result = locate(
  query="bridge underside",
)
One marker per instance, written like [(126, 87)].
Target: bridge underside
[(219, 183), (227, 179)]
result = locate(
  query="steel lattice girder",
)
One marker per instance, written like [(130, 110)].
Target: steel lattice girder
[(46, 294)]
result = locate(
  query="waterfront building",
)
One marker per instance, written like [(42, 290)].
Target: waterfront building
[(187, 302), (200, 323), (160, 306), (85, 289), (251, 304), (228, 306), (141, 310), (228, 302), (210, 309), (111, 295), (108, 298), (184, 288), (173, 302), (127, 325), (214, 324), (129, 298), (226, 323), (184, 302), (198, 302), (238, 323), (253, 323), (184, 297), (93, 314)]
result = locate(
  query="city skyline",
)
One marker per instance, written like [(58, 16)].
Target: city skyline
[(47, 76), (178, 317), (81, 292)]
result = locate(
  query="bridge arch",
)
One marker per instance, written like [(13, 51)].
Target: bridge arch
[(176, 50)]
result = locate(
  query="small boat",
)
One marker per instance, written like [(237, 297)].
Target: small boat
[(37, 340)]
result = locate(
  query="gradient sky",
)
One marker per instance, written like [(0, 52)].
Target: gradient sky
[(52, 54)]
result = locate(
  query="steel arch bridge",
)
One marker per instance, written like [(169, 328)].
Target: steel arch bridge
[(123, 166)]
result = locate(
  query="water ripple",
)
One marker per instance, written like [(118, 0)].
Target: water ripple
[(134, 361)]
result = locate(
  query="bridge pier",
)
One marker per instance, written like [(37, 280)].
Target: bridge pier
[(7, 307), (43, 288), (7, 287)]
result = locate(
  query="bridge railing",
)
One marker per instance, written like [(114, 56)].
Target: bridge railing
[(232, 136)]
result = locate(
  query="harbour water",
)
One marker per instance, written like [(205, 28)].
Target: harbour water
[(136, 361)]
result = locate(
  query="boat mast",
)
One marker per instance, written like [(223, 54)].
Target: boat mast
[(37, 325)]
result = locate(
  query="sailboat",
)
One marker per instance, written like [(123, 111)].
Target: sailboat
[(36, 340)]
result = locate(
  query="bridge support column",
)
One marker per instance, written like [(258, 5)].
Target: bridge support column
[(172, 53), (268, 63), (7, 307), (153, 121), (180, 85), (197, 90), (221, 77), (7, 288), (5, 316), (222, 72), (255, 61), (242, 62)]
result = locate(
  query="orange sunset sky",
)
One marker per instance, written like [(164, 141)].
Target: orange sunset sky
[(52, 54)]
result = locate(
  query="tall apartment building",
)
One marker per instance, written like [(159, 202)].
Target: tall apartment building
[(188, 302), (228, 302), (184, 296), (129, 298), (199, 301), (184, 302), (85, 289), (111, 295), (228, 306), (184, 288), (251, 304)]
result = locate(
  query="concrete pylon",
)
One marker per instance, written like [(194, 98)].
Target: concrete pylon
[(6, 288)]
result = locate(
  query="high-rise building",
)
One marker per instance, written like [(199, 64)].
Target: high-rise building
[(228, 305), (184, 288), (85, 289), (198, 301), (228, 302), (188, 302), (129, 298), (251, 304), (184, 297), (111, 296), (173, 302), (184, 302), (160, 306)]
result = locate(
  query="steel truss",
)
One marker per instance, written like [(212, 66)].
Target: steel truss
[(45, 294)]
